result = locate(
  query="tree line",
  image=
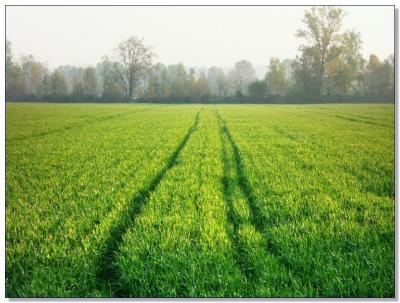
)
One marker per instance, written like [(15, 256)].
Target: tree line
[(328, 68)]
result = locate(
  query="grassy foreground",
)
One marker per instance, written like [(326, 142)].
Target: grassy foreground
[(200, 200)]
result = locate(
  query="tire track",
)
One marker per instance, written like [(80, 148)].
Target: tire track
[(358, 120), (351, 119), (108, 274), (235, 198), (237, 187), (259, 220), (232, 190)]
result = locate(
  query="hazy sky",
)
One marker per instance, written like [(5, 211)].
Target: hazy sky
[(196, 36)]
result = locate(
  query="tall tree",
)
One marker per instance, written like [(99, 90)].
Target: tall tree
[(321, 36), (131, 61)]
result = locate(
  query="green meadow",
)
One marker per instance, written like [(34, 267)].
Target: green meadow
[(141, 200)]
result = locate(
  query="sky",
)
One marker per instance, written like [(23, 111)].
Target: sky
[(195, 36)]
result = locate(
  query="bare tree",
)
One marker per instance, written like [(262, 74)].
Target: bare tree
[(131, 61)]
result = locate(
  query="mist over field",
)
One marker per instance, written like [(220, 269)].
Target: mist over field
[(201, 54)]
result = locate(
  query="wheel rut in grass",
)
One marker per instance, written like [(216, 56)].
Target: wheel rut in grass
[(252, 226), (108, 274), (352, 119), (258, 220)]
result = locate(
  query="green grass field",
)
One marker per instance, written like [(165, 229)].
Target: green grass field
[(200, 200)]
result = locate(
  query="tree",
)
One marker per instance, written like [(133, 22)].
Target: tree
[(131, 61), (176, 80), (373, 76), (46, 84), (15, 82), (111, 87), (305, 75), (257, 89), (379, 77), (172, 71), (180, 90), (322, 35), (276, 78), (245, 74), (89, 82), (202, 87), (192, 83), (289, 72), (388, 67), (232, 83), (157, 78), (33, 74), (217, 81), (9, 63), (58, 84), (77, 82), (345, 66)]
